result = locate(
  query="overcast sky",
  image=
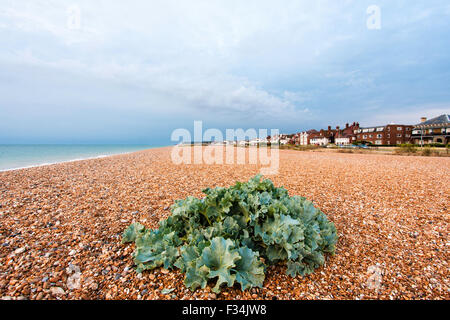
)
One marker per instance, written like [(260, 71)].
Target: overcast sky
[(133, 71)]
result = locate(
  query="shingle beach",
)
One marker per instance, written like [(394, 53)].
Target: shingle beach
[(61, 226)]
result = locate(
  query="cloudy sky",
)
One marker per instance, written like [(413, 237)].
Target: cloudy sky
[(133, 71)]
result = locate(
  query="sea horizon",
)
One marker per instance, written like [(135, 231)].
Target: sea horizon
[(22, 156)]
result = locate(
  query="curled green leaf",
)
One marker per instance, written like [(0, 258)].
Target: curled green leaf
[(232, 233)]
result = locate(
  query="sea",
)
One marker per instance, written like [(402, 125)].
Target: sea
[(18, 156)]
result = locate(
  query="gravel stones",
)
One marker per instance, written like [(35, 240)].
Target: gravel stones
[(391, 213)]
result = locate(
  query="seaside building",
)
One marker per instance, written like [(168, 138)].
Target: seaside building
[(319, 140), (281, 139), (391, 134), (303, 138), (435, 130), (346, 136), (323, 137)]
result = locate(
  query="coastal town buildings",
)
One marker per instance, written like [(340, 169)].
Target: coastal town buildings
[(281, 139), (435, 130)]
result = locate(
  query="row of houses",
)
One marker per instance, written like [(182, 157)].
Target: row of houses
[(435, 130)]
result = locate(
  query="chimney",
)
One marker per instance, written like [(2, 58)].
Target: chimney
[(423, 119), (329, 128), (337, 128), (346, 126)]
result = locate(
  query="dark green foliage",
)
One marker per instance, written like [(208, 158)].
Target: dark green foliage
[(233, 233)]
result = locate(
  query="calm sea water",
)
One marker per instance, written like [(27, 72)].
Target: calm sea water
[(22, 156)]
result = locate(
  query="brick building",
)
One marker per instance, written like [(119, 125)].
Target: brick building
[(346, 136), (391, 134)]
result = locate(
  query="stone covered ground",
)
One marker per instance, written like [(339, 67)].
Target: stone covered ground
[(61, 226)]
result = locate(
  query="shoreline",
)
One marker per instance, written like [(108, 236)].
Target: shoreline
[(76, 159)]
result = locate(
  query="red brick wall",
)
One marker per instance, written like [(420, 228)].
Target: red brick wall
[(391, 135), (394, 135)]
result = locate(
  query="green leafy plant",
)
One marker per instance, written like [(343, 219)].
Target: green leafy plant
[(233, 234)]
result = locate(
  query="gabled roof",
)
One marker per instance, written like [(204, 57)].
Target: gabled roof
[(345, 134), (317, 136), (442, 119)]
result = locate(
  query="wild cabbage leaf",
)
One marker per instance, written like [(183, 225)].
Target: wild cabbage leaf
[(232, 234)]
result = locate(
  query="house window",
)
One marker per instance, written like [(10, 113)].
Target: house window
[(399, 142), (399, 128), (407, 135), (370, 136), (379, 136), (378, 142), (408, 128), (399, 135), (388, 135), (365, 136)]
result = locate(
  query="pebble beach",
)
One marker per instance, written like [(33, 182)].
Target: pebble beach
[(61, 226)]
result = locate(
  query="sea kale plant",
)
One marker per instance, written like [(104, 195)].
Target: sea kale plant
[(233, 234)]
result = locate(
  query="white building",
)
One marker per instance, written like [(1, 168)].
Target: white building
[(344, 141), (279, 139), (303, 138), (319, 141)]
